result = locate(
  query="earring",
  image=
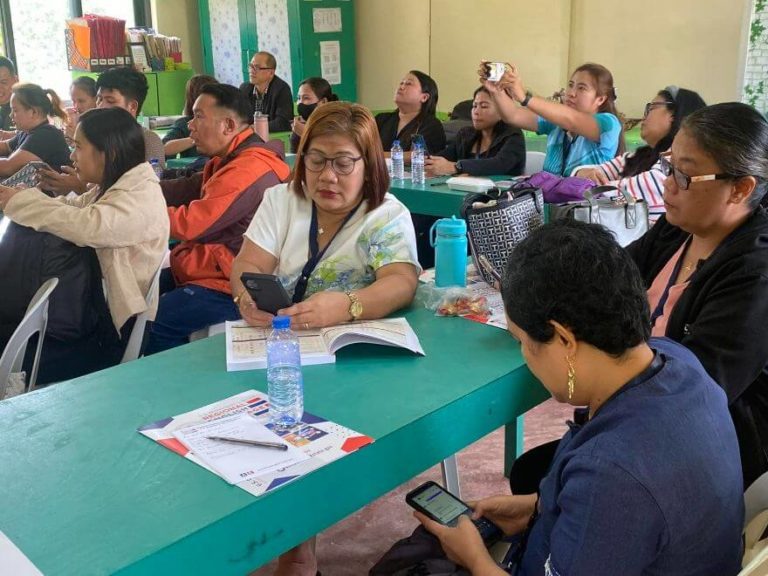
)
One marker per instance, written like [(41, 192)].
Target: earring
[(571, 376)]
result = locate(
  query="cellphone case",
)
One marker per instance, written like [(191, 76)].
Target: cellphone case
[(266, 291)]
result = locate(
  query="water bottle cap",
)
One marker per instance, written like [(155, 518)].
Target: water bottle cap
[(451, 226), (281, 322), (396, 143), (154, 161)]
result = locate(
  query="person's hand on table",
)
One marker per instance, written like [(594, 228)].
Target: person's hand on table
[(6, 193), (438, 166), (594, 174), (298, 126), (462, 544), (251, 313), (61, 183), (320, 310), (510, 513)]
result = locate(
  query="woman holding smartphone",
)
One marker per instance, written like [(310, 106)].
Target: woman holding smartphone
[(585, 129), (340, 244), (649, 481)]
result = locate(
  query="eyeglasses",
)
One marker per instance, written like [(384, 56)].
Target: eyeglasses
[(342, 165), (259, 68), (651, 105), (682, 179)]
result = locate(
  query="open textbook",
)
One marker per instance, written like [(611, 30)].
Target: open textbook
[(247, 346)]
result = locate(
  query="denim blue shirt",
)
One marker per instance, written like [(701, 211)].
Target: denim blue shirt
[(650, 485)]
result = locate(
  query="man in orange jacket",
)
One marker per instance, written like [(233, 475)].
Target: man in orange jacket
[(209, 213)]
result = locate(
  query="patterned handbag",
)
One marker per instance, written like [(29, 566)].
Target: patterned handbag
[(623, 215), (495, 228)]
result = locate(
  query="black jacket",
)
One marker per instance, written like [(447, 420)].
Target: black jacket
[(506, 155), (722, 317), (428, 126), (277, 103)]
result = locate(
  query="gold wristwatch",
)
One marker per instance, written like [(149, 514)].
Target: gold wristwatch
[(355, 306)]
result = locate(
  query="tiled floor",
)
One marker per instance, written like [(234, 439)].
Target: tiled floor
[(352, 546)]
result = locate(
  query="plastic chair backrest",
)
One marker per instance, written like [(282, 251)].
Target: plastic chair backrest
[(35, 321), (133, 348), (534, 162), (756, 498)]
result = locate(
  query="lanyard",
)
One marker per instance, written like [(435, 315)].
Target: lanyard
[(659, 310), (315, 254), (567, 144)]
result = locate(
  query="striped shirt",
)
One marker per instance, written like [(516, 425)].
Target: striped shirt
[(648, 185), (579, 150)]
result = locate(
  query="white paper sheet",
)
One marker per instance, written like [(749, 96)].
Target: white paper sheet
[(326, 20), (13, 562), (237, 462), (330, 61)]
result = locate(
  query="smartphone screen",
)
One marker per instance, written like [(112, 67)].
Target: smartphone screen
[(442, 505)]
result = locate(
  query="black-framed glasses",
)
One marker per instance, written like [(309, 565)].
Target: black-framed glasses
[(342, 165), (651, 105), (682, 179), (258, 68)]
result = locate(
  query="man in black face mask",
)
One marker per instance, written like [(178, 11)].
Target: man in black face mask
[(312, 92)]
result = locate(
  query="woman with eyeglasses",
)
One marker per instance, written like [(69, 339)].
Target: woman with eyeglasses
[(640, 172), (705, 263), (416, 100), (339, 243)]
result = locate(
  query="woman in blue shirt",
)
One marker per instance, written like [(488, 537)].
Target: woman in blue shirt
[(584, 129), (650, 483)]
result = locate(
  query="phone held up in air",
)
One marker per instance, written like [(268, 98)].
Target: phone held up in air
[(494, 70), (266, 291), (437, 503)]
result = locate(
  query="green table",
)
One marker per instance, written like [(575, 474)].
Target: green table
[(434, 197), (84, 493)]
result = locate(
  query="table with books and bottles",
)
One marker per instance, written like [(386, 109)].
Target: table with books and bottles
[(114, 472)]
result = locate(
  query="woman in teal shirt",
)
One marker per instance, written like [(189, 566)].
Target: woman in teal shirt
[(585, 128)]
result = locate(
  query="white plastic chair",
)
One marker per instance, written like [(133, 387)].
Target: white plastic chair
[(534, 162), (133, 348), (755, 501), (35, 321), (756, 498)]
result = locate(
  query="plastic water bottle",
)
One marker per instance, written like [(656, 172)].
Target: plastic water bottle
[(284, 381), (448, 236), (417, 163), (155, 163), (396, 155)]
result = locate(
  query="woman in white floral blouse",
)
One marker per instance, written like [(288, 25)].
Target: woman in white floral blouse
[(341, 245)]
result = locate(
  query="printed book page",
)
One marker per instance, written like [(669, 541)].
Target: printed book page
[(247, 346), (389, 332)]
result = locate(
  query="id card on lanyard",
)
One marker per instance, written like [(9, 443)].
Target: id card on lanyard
[(315, 254)]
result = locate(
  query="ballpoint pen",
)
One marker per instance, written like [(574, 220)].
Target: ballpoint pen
[(259, 443)]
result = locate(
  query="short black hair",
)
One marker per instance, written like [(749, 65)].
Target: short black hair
[(8, 63), (577, 274), (129, 82), (116, 133), (230, 98)]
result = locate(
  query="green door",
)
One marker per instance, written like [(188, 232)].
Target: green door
[(306, 48)]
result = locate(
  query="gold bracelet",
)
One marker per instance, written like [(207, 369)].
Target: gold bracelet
[(237, 298)]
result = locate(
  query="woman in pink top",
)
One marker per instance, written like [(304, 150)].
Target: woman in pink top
[(705, 262)]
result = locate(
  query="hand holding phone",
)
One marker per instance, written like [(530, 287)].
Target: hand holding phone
[(437, 503), (266, 291)]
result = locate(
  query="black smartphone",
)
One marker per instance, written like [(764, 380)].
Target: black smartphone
[(266, 291), (434, 501)]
